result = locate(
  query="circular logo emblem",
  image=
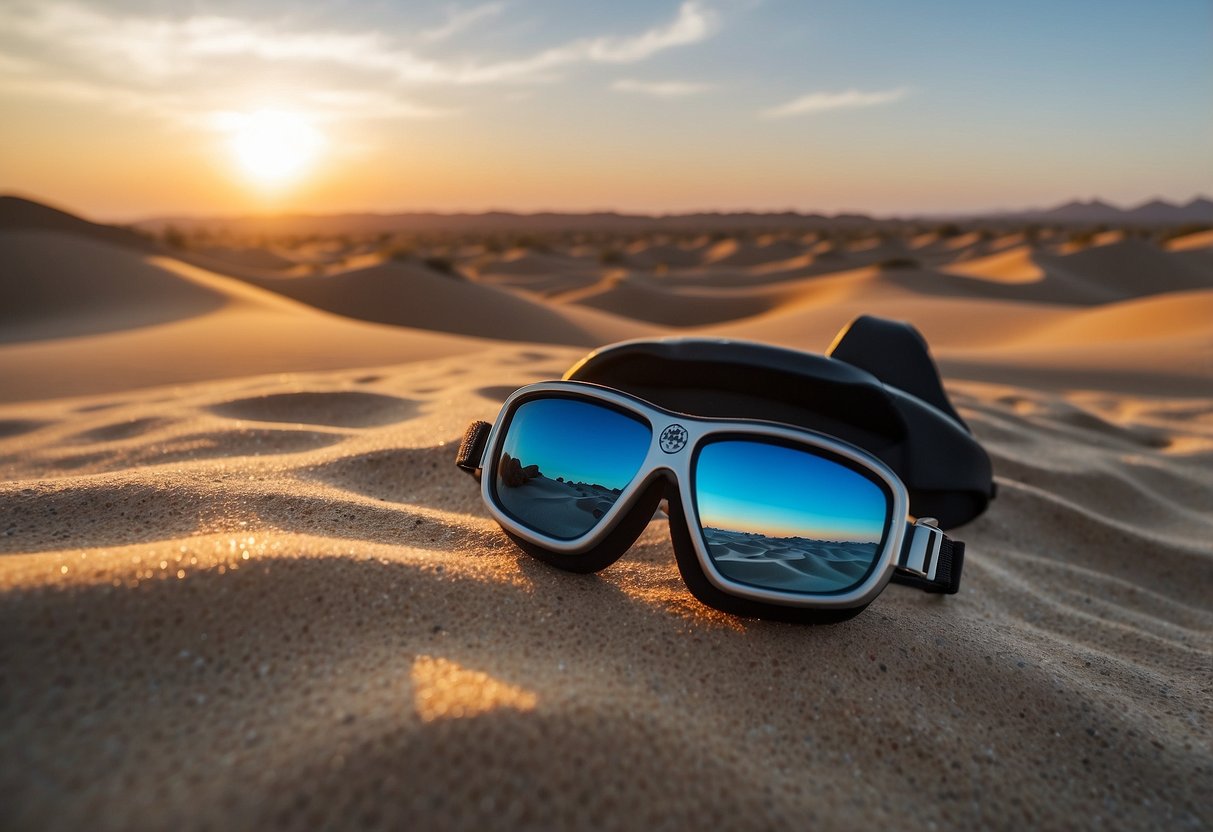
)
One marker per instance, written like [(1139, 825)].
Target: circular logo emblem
[(673, 439)]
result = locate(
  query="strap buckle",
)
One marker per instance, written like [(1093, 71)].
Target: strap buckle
[(921, 557), (471, 449)]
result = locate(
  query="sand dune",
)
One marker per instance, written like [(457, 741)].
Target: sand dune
[(1160, 345), (1011, 265), (528, 263), (790, 562), (1127, 269), (243, 586), (733, 252), (1051, 288), (685, 307), (56, 284), (246, 257), (565, 509), (240, 341), (146, 321), (538, 274), (17, 214), (830, 302), (545, 285), (412, 295), (1192, 242), (643, 255), (960, 241)]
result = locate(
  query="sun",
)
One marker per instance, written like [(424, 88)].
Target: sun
[(274, 147)]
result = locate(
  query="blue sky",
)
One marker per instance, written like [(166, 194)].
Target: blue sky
[(779, 492), (579, 442), (129, 108)]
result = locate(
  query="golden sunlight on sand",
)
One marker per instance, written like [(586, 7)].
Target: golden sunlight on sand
[(443, 689)]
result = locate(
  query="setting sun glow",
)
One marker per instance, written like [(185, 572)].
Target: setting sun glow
[(272, 146)]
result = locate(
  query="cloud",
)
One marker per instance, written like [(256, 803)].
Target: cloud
[(693, 23), (167, 69), (184, 69), (335, 104), (660, 89), (460, 20), (820, 102), (153, 49), (157, 48), (91, 92)]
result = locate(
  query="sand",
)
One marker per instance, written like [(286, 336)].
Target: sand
[(243, 585), (563, 509), (805, 565)]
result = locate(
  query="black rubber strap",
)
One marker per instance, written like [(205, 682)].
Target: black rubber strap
[(471, 449), (930, 560)]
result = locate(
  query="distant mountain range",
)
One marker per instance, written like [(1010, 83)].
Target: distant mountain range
[(1156, 211)]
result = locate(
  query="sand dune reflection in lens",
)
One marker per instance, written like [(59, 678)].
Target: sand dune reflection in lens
[(564, 463), (782, 518)]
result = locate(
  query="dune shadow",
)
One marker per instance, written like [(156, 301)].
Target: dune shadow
[(122, 430), (17, 427), (1050, 289), (61, 284), (347, 409), (93, 408), (199, 446)]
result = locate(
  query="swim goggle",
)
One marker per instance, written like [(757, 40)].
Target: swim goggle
[(796, 485)]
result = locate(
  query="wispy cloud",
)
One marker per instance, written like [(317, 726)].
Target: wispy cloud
[(460, 20), (820, 102), (184, 68), (155, 49), (693, 23), (335, 104), (660, 89), (159, 48), (167, 69)]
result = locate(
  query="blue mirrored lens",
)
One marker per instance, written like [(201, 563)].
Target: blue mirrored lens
[(784, 518), (564, 463)]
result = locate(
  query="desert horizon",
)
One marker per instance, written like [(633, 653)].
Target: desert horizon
[(1149, 210), (262, 265)]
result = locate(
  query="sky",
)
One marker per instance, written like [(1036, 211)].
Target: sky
[(126, 109), (578, 442), (778, 492)]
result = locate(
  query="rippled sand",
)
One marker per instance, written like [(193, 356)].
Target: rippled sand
[(791, 562)]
